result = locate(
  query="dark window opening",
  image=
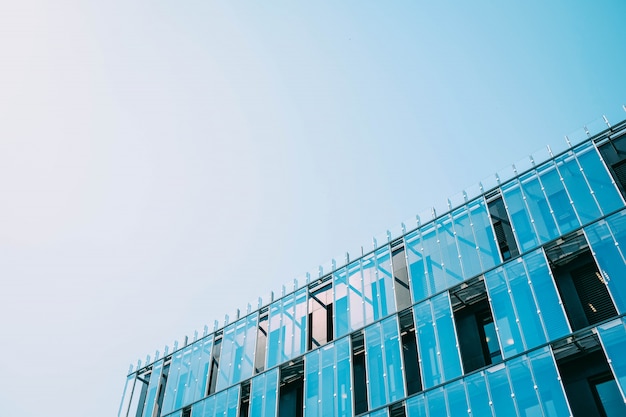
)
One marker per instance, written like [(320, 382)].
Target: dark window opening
[(614, 154), (397, 410), (144, 379), (502, 229), (244, 400), (186, 412), (261, 341), (320, 328), (582, 288), (409, 352), (475, 328), (359, 375), (400, 276), (215, 363), (587, 378), (290, 393)]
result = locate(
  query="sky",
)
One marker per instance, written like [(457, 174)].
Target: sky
[(163, 163)]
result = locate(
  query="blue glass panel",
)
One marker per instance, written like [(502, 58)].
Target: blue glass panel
[(344, 378), (221, 403), (172, 382), (500, 390), (578, 189), (599, 179), (312, 386), (375, 366), (547, 296), (483, 231), (503, 313), (270, 406), (450, 361), (529, 322), (209, 407), (340, 284), (393, 359), (415, 260), (379, 413), (427, 344), (328, 388), (275, 333), (197, 410), (467, 242), (545, 375), (257, 395), (608, 254), (155, 379), (299, 325), (524, 388), (477, 395), (539, 209), (457, 401), (559, 200), (611, 398), (435, 275), (371, 294), (356, 299), (385, 283), (200, 359), (613, 337), (449, 253), (520, 220), (227, 356), (232, 408), (416, 406), (436, 402)]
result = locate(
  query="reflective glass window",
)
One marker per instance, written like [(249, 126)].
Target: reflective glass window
[(263, 394), (420, 287), (436, 403), (383, 356), (478, 395), (287, 328), (607, 239), (237, 356), (153, 386), (613, 337), (548, 382), (468, 249), (540, 210), (500, 390), (520, 219), (340, 284), (449, 252), (598, 178), (558, 198), (526, 397), (457, 400), (176, 380), (485, 238), (436, 340), (578, 189), (416, 406)]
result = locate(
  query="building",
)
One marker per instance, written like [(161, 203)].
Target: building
[(510, 302)]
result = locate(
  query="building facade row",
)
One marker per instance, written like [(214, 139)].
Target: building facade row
[(511, 304)]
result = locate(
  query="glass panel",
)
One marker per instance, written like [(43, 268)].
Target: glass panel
[(153, 386), (446, 337), (375, 366), (529, 322), (227, 356), (200, 359), (611, 399), (599, 179), (328, 388), (371, 296), (126, 396), (539, 209), (344, 378), (355, 296), (427, 344), (477, 395), (613, 337), (467, 243), (384, 275), (299, 324), (232, 408), (436, 403), (221, 404), (559, 200), (500, 390), (449, 252), (416, 406), (578, 189), (270, 406), (483, 231), (415, 259), (340, 284), (263, 394), (209, 407), (550, 305), (503, 313), (311, 384), (393, 359), (457, 401), (274, 335), (549, 388), (524, 388), (172, 382), (435, 275), (520, 220), (609, 256)]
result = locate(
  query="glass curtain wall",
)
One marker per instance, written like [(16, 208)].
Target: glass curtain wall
[(287, 328), (264, 394), (237, 355)]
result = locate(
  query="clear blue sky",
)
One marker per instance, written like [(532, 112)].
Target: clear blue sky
[(163, 163)]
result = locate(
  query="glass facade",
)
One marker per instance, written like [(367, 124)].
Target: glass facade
[(512, 303)]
